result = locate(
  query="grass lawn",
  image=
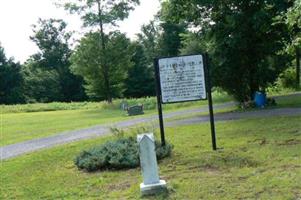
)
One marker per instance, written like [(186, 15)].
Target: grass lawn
[(260, 159), (19, 127), (282, 102), (289, 101), (25, 122)]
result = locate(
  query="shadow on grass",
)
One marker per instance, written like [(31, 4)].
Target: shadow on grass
[(221, 160)]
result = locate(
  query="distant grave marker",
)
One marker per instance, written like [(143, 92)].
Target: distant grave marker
[(135, 110), (124, 105)]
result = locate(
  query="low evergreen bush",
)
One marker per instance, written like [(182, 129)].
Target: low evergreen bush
[(118, 154)]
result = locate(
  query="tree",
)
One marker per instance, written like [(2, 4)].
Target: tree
[(246, 40), (193, 43), (171, 33), (52, 39), (99, 13), (87, 63), (170, 39), (293, 20), (11, 90), (41, 84), (149, 38), (140, 80), (158, 38)]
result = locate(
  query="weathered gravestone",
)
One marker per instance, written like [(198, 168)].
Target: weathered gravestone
[(135, 110), (124, 105), (148, 161)]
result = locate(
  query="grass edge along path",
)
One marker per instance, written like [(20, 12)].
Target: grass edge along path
[(21, 126), (260, 160), (18, 127), (28, 146), (99, 130)]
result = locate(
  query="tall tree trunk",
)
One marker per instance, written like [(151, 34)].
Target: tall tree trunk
[(105, 70), (297, 67), (253, 83), (251, 89)]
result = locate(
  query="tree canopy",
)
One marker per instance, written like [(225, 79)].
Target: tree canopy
[(246, 40), (249, 44), (140, 80), (11, 84), (293, 20), (52, 38), (100, 13), (88, 61)]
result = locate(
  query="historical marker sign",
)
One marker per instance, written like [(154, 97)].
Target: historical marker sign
[(182, 78)]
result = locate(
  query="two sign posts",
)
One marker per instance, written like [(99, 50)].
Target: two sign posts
[(180, 79)]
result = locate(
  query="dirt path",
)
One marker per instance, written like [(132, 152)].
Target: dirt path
[(13, 150)]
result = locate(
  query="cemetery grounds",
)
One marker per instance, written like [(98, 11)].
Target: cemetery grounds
[(258, 158)]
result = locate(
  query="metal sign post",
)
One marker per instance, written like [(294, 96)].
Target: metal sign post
[(181, 79), (159, 103), (208, 84)]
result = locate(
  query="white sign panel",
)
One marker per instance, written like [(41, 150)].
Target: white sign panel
[(182, 78)]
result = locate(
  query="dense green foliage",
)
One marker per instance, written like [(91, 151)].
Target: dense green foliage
[(46, 74), (41, 85), (140, 81), (287, 79), (193, 43), (11, 80), (246, 40), (293, 20), (119, 154), (170, 39), (107, 59), (87, 62)]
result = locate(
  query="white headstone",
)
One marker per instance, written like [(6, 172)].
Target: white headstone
[(148, 161)]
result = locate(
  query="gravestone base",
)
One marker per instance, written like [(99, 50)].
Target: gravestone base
[(153, 188)]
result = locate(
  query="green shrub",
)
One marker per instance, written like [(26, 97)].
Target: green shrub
[(118, 154), (119, 133), (287, 79)]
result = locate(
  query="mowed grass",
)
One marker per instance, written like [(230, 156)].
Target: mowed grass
[(283, 101), (289, 101), (17, 127), (260, 159), (25, 122)]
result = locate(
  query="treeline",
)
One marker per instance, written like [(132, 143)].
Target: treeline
[(249, 42)]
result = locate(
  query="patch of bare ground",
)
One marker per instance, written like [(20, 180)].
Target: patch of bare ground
[(285, 167), (260, 141), (119, 186), (289, 142)]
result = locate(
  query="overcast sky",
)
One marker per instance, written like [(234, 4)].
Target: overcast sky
[(17, 16)]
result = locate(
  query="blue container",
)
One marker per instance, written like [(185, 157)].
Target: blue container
[(260, 99)]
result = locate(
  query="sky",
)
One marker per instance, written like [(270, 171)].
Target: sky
[(18, 16)]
